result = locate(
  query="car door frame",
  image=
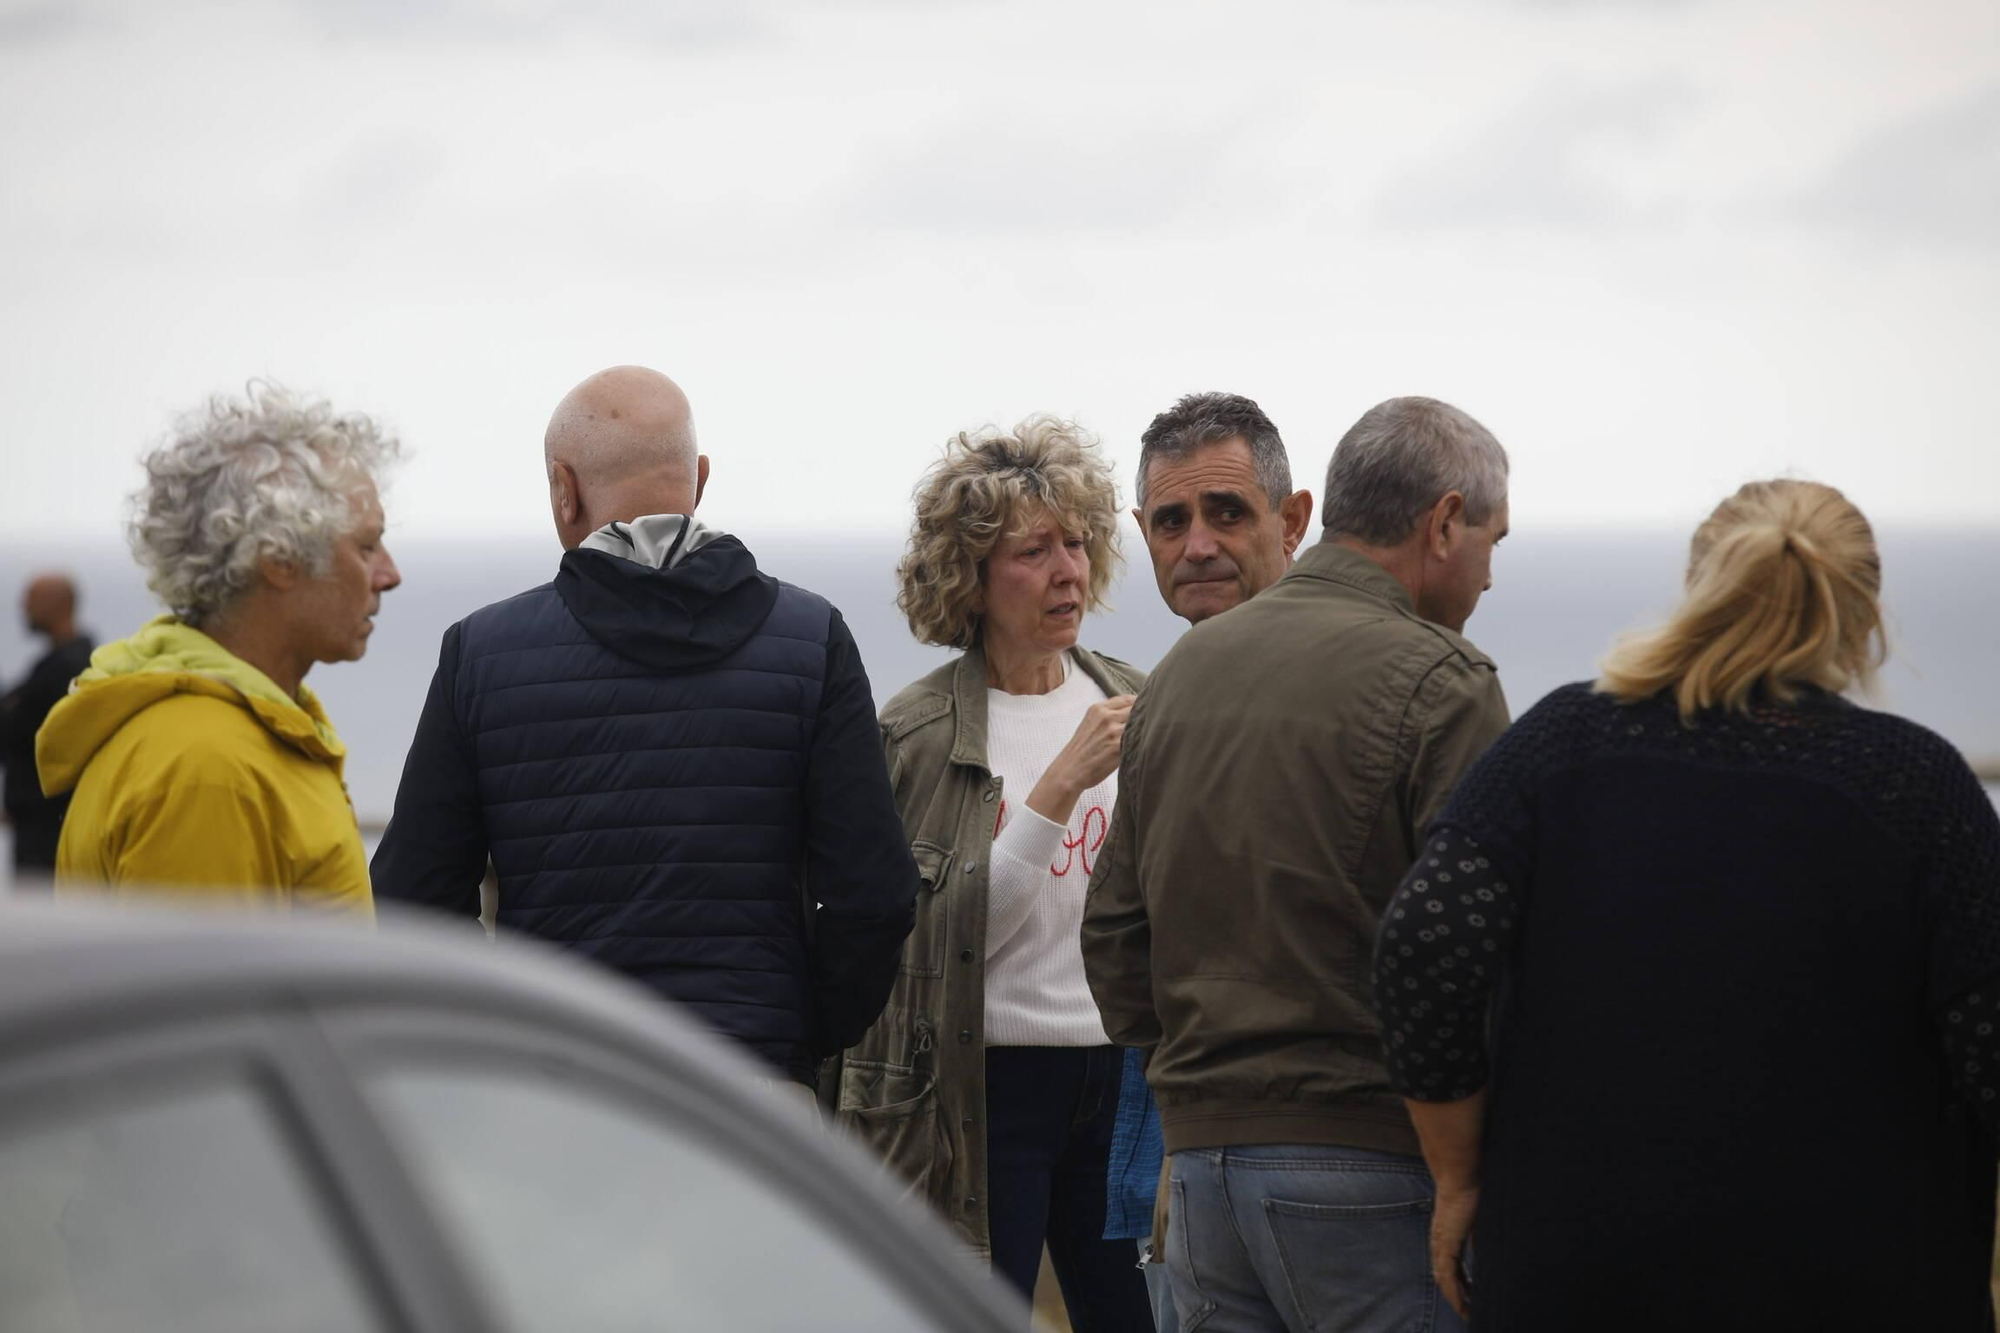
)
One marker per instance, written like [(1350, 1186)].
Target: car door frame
[(408, 1277), (716, 1106)]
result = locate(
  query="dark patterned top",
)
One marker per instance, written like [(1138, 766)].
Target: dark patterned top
[(1725, 983)]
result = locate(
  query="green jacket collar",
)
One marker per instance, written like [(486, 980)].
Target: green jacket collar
[(1338, 564)]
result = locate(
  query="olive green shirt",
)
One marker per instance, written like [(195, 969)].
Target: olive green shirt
[(1279, 769)]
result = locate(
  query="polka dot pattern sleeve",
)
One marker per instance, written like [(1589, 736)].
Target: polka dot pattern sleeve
[(1970, 1027), (1445, 938)]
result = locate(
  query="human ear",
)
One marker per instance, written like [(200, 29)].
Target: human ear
[(564, 497), (280, 574), (1293, 515), (1447, 518), (700, 480)]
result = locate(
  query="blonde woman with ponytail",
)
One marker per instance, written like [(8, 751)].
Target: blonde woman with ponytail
[(1694, 988)]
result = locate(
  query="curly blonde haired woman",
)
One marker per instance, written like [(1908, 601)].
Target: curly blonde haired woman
[(1745, 942), (989, 1082)]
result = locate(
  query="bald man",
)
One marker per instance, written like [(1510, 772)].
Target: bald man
[(670, 757), (49, 606)]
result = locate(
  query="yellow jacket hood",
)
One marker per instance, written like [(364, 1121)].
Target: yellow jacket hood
[(163, 659)]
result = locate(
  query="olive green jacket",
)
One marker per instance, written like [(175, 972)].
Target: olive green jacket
[(914, 1088), (1277, 775)]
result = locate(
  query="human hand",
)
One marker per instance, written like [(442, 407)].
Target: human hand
[(1451, 1226), (1090, 757)]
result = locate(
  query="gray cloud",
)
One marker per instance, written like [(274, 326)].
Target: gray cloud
[(1931, 178), (1542, 165), (687, 23), (998, 175), (41, 21)]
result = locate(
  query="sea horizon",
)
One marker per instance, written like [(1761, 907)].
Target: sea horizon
[(1559, 601)]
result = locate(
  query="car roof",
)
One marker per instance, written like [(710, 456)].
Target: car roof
[(70, 969), (64, 966)]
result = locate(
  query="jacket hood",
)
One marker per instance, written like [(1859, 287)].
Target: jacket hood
[(666, 605), (167, 658)]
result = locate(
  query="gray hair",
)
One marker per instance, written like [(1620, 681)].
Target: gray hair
[(267, 476), (1210, 418), (1399, 460)]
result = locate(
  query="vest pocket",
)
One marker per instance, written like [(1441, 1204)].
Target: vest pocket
[(923, 952), (894, 1110)]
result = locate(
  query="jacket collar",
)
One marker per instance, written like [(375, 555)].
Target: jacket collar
[(1337, 564), (968, 688), (165, 658)]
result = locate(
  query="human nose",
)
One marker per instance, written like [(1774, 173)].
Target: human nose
[(1069, 566), (1201, 544), (387, 576)]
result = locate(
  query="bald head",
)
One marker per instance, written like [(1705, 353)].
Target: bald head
[(620, 423), (49, 606), (621, 445)]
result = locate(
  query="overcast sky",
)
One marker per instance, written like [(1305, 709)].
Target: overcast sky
[(1659, 246)]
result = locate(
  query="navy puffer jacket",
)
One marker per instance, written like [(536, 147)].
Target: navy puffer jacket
[(666, 765)]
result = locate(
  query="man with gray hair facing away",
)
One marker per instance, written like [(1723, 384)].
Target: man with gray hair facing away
[(1279, 769), (670, 756)]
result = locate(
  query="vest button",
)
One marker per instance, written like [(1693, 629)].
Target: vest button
[(971, 866), (965, 1034), (988, 796), (965, 955)]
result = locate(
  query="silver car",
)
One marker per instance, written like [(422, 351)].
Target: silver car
[(218, 1125)]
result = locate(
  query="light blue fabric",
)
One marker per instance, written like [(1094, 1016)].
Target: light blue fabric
[(1303, 1236), (1132, 1177)]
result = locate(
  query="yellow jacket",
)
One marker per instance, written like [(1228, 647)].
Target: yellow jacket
[(196, 776)]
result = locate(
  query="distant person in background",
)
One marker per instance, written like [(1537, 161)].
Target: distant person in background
[(1280, 766), (989, 1084), (201, 764), (669, 755), (35, 820), (1744, 936), (1221, 522)]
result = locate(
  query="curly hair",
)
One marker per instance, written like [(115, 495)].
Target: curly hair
[(987, 484), (267, 476)]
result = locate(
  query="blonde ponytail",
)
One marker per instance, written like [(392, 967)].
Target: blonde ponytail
[(1783, 590)]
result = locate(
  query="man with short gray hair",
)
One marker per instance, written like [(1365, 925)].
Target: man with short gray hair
[(1278, 771), (1216, 503)]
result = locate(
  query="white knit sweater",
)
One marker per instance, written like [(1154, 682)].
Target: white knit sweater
[(1036, 994)]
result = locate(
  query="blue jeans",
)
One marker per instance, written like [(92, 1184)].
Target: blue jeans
[(1302, 1237), (1048, 1113)]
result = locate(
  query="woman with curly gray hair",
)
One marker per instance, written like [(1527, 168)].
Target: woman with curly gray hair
[(198, 760), (989, 1082)]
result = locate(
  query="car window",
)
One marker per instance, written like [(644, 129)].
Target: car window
[(591, 1214), (168, 1210)]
